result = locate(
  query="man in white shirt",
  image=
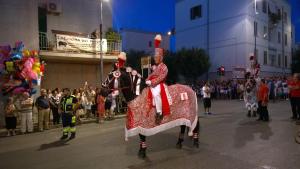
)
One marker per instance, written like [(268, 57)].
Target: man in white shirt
[(206, 98)]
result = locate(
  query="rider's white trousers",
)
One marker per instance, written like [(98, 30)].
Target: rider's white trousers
[(157, 98)]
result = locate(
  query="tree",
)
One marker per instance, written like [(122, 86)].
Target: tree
[(296, 62), (192, 63), (134, 59), (112, 35), (170, 59)]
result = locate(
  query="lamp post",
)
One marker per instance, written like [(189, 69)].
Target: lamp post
[(255, 29), (100, 32)]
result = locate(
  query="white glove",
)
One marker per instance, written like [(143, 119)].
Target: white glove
[(148, 82)]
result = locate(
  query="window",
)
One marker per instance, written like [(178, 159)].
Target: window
[(270, 33), (272, 59), (264, 7), (265, 32), (196, 12), (285, 39), (265, 57), (279, 60), (255, 28), (150, 44), (285, 61), (285, 17), (279, 12), (279, 37)]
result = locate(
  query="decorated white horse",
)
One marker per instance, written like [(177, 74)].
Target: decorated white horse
[(141, 112)]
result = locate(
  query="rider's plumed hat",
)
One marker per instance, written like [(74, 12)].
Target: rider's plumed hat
[(157, 42)]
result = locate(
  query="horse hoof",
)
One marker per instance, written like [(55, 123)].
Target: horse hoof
[(142, 154), (196, 145), (179, 145)]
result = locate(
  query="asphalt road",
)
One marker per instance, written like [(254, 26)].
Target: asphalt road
[(228, 140)]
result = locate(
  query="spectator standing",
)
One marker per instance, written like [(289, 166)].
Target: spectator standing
[(241, 89), (10, 117), (285, 90), (101, 105), (87, 104), (43, 105), (294, 88), (54, 103), (263, 99), (206, 98), (25, 108)]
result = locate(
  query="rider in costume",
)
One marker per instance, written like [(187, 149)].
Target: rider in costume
[(156, 81)]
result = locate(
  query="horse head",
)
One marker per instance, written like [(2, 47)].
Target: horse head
[(125, 83)]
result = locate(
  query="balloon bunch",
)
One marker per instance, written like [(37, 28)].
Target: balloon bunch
[(20, 69)]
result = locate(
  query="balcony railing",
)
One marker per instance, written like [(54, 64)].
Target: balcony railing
[(48, 42)]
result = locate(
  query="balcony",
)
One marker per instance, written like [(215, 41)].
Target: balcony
[(49, 42)]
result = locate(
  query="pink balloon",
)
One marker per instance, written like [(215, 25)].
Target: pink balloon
[(19, 90), (28, 64), (32, 75)]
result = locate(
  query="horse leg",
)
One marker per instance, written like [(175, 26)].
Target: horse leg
[(143, 146), (181, 137), (196, 135)]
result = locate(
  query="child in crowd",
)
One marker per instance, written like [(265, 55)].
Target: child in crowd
[(10, 117), (101, 105)]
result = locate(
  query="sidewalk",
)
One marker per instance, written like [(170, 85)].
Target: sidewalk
[(3, 131)]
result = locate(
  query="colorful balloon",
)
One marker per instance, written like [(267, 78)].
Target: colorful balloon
[(19, 46), (32, 75), (5, 50), (19, 90), (34, 53), (26, 53)]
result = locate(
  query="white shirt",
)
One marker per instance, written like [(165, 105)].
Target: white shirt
[(206, 92)]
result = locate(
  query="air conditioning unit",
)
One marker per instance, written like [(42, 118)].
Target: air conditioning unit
[(54, 6)]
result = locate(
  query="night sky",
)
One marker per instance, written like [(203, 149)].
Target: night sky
[(296, 17), (159, 15)]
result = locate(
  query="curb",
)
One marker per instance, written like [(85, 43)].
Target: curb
[(3, 131)]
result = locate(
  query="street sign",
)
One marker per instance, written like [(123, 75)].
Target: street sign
[(145, 64)]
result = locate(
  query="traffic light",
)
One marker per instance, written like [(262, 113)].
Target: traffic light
[(221, 71)]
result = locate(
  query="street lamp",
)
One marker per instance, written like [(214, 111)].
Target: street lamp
[(255, 28), (100, 32), (255, 6)]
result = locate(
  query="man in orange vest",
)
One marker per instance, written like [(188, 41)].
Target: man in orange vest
[(263, 99)]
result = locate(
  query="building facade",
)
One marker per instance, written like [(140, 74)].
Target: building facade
[(232, 33), (40, 24), (142, 41)]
